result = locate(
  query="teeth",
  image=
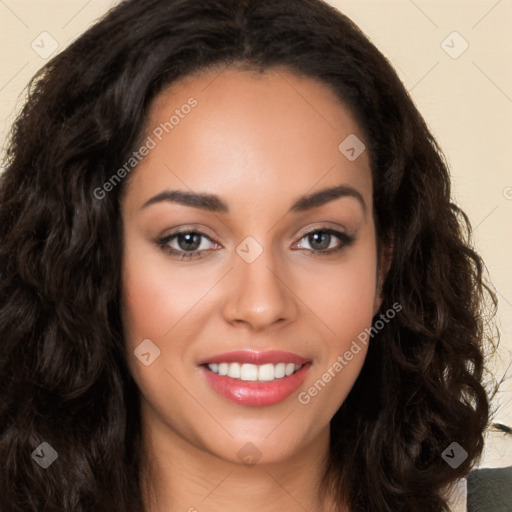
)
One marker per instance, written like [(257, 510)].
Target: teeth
[(290, 368), (252, 372), (234, 371), (248, 372), (266, 372), (280, 370)]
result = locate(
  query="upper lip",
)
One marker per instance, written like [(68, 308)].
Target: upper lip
[(254, 357)]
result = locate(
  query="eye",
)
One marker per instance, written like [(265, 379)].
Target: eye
[(325, 241), (187, 244)]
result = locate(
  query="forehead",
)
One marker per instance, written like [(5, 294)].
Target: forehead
[(250, 133)]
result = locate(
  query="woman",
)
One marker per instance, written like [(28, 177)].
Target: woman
[(232, 274)]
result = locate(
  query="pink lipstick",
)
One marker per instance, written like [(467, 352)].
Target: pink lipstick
[(257, 379)]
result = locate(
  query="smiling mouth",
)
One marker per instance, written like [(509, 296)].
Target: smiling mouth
[(255, 379), (253, 372)]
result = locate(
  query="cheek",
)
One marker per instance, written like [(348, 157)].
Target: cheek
[(343, 296), (345, 304), (147, 303), (157, 303), (157, 296)]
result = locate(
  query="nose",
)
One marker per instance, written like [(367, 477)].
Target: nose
[(258, 294)]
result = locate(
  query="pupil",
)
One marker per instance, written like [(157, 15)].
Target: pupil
[(321, 239), (192, 239)]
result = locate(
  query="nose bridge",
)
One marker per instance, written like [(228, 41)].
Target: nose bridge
[(257, 293)]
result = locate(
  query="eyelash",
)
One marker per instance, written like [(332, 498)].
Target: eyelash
[(345, 239)]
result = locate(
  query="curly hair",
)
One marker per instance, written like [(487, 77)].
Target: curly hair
[(64, 376)]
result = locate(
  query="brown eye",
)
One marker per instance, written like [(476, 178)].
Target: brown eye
[(325, 241), (188, 241), (319, 240), (187, 244)]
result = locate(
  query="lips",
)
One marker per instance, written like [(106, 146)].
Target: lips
[(253, 378), (251, 356)]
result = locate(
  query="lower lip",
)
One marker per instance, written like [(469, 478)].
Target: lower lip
[(256, 393)]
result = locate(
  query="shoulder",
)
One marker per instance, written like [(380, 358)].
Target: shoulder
[(490, 490)]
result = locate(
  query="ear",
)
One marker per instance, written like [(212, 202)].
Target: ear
[(383, 265)]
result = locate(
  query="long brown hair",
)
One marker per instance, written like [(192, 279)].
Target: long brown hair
[(63, 374)]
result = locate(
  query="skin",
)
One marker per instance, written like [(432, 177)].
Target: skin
[(259, 142)]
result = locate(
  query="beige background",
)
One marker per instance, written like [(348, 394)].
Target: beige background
[(465, 97)]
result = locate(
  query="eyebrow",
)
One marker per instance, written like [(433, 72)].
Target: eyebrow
[(213, 203)]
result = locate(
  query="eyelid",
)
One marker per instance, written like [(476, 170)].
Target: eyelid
[(163, 244), (186, 231), (345, 240), (189, 228), (321, 226)]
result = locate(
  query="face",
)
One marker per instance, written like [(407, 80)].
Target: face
[(238, 260)]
